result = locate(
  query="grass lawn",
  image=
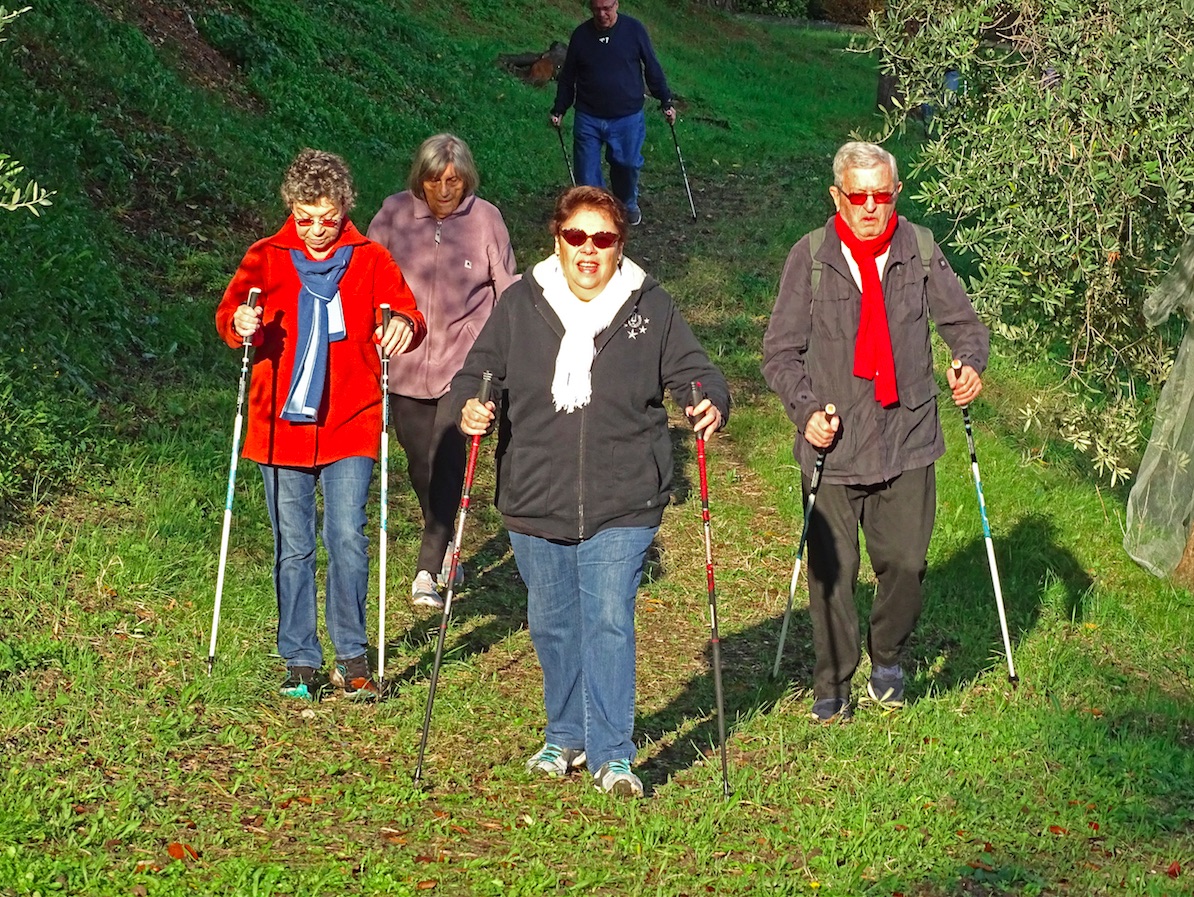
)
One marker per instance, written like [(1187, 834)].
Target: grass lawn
[(131, 772)]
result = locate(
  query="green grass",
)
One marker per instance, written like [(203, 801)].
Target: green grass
[(131, 772)]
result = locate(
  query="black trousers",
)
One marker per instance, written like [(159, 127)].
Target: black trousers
[(435, 462), (896, 518)]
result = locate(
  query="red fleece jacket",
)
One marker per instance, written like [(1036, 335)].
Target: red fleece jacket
[(350, 414)]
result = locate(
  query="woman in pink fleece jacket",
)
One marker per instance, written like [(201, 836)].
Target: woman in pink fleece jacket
[(454, 250)]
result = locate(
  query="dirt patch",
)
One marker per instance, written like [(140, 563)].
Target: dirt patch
[(169, 25)]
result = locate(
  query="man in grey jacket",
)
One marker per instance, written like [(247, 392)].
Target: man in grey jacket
[(850, 328)]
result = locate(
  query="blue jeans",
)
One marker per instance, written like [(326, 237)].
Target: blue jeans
[(623, 140), (580, 606), (290, 497)]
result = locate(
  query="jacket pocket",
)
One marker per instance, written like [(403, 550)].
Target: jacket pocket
[(527, 482), (835, 319)]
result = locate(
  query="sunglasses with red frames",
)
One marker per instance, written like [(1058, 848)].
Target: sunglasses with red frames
[(881, 197), (329, 223), (574, 236)]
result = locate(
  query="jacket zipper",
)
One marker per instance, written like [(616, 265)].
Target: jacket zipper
[(580, 480)]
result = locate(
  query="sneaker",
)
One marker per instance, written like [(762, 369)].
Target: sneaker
[(299, 683), (887, 693), (831, 710), (441, 578), (556, 761), (423, 592), (354, 677), (616, 778), (634, 217)]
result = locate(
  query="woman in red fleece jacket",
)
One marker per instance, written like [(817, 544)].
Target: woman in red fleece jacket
[(315, 405)]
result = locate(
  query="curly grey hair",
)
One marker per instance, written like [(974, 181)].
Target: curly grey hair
[(314, 175)]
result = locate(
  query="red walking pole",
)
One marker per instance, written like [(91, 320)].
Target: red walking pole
[(470, 470), (695, 399)]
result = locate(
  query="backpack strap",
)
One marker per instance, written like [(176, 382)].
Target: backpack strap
[(815, 239), (924, 245)]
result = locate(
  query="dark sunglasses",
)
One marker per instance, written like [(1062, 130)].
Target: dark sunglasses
[(574, 236), (881, 197)]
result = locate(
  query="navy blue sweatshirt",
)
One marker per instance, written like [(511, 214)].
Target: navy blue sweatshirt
[(603, 71)]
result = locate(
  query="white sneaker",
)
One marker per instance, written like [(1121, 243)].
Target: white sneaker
[(556, 761), (616, 778), (423, 593)]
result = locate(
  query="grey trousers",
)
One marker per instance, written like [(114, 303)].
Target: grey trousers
[(897, 519)]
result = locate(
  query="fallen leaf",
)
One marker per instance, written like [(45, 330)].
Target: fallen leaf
[(987, 848), (175, 850), (1093, 825), (979, 864), (1174, 870), (1058, 830), (427, 884)]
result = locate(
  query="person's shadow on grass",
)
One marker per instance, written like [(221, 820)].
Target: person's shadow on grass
[(957, 638)]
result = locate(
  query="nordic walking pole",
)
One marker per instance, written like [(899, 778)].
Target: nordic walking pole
[(830, 411), (386, 315), (469, 471), (251, 301), (982, 509), (567, 161), (695, 398), (683, 170)]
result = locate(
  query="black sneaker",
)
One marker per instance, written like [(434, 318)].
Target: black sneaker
[(831, 710), (354, 678), (299, 683), (634, 217)]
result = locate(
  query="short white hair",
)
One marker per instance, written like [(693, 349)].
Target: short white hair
[(857, 154)]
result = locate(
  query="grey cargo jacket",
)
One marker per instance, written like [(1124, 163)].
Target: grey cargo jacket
[(808, 356)]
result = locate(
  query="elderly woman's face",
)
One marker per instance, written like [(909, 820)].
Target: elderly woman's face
[(869, 218), (318, 224), (587, 266), (443, 194)]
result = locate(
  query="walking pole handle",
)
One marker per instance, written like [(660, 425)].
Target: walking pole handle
[(695, 393), (387, 314), (486, 386)]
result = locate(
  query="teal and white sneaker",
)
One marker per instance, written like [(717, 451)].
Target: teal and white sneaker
[(616, 778), (555, 761), (299, 683)]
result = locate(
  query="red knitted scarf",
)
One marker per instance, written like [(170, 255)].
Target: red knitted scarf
[(873, 359)]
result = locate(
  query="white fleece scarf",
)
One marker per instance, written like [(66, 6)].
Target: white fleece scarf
[(572, 383)]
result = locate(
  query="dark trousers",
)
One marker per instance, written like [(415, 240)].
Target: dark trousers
[(435, 462), (897, 520)]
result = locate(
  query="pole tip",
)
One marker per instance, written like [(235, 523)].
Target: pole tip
[(956, 364), (830, 409)]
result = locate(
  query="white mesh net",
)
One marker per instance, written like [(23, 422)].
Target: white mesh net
[(1161, 504)]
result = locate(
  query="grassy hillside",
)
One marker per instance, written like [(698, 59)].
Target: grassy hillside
[(165, 128)]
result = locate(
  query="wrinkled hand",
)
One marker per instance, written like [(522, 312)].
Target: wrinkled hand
[(246, 320), (708, 418), (821, 429), (555, 120), (475, 418), (397, 338), (964, 383)]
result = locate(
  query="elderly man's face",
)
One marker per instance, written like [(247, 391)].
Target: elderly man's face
[(605, 13), (869, 219)]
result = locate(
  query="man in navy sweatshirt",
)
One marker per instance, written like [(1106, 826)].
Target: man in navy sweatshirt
[(608, 57)]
